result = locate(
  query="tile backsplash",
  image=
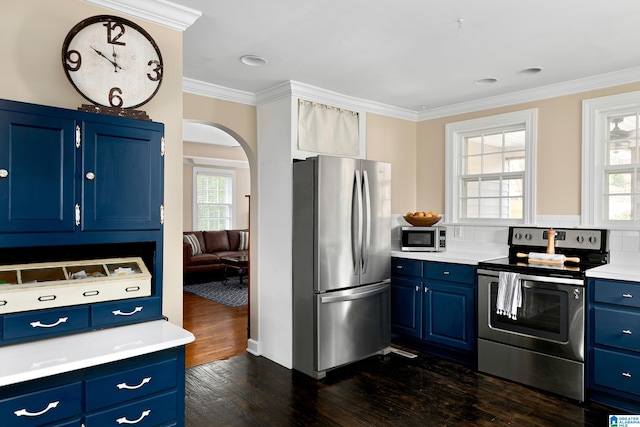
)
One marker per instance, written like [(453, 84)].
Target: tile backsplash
[(624, 246)]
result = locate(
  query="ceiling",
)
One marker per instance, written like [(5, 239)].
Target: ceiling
[(416, 55)]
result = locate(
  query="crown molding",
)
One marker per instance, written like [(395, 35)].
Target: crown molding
[(312, 93), (210, 90), (601, 81), (161, 12)]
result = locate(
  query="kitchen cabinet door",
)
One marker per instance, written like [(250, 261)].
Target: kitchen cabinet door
[(37, 167), (449, 315), (406, 307), (122, 177)]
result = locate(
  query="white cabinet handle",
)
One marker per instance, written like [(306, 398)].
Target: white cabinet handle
[(626, 374), (626, 332), (417, 288), (125, 386), (90, 176), (124, 420), (39, 324), (627, 295), (122, 313), (4, 173), (25, 413)]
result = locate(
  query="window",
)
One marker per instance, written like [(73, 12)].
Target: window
[(213, 199), (490, 165), (610, 161)]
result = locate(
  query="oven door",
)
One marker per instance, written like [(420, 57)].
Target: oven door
[(550, 321)]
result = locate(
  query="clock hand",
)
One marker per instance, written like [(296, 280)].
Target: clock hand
[(115, 64)]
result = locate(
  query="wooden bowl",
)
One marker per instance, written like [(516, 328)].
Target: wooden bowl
[(421, 221)]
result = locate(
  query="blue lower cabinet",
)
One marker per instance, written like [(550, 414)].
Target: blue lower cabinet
[(128, 385), (154, 411), (433, 304), (42, 407)]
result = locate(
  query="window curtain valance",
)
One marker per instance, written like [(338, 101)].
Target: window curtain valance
[(328, 130)]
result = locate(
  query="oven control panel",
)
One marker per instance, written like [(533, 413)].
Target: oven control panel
[(569, 238)]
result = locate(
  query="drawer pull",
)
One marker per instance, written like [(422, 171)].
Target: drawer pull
[(124, 420), (25, 413), (446, 273), (627, 295), (130, 313), (125, 386), (399, 267), (626, 332), (626, 374), (39, 324)]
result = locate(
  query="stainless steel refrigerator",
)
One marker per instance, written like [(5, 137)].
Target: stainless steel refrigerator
[(341, 262)]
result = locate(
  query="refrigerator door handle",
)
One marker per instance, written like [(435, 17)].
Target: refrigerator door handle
[(366, 202), (355, 294), (356, 223)]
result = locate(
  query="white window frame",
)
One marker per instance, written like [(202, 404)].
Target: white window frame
[(455, 134), (219, 172), (594, 129)]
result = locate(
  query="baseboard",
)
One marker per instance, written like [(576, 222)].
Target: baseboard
[(253, 347)]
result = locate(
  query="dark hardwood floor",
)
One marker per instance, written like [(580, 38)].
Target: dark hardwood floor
[(225, 386), (246, 390)]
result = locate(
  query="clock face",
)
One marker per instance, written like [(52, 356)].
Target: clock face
[(112, 62)]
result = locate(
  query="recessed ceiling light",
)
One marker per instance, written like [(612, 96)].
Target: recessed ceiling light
[(529, 71), (253, 60), (487, 81)]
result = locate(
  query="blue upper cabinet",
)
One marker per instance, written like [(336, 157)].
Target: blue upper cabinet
[(65, 171), (37, 167), (122, 182)]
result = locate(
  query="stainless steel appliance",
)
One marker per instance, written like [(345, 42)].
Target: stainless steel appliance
[(543, 344), (423, 239), (341, 262)]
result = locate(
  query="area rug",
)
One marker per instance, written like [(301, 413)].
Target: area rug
[(228, 292)]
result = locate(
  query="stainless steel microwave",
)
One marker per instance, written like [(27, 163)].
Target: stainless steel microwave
[(423, 239)]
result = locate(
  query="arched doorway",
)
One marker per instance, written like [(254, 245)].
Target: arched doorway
[(221, 331)]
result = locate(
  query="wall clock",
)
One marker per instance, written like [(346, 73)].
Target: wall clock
[(112, 62)]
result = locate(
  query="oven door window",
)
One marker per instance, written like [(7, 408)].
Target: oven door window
[(544, 313)]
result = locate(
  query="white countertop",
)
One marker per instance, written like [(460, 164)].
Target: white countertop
[(37, 359), (615, 272), (456, 257)]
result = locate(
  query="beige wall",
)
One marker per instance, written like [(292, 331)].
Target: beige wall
[(32, 32), (243, 179), (559, 157), (394, 141)]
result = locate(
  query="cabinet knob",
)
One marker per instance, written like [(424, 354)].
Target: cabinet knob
[(90, 176), (4, 173)]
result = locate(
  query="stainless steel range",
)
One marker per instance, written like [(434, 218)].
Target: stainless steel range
[(531, 307)]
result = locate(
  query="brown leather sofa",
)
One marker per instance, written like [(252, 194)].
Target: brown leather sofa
[(206, 263)]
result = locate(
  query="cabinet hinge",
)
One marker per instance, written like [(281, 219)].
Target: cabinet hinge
[(161, 214), (78, 137), (162, 147), (77, 215)]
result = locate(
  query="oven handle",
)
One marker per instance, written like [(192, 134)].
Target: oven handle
[(527, 277)]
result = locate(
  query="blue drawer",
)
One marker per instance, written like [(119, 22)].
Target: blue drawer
[(159, 410), (132, 384), (45, 322), (406, 267), (617, 371), (126, 311), (42, 407), (450, 272), (617, 292), (617, 328)]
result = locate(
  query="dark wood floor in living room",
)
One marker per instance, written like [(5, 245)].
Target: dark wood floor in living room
[(246, 390)]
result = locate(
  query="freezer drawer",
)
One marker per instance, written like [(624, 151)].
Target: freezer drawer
[(352, 324)]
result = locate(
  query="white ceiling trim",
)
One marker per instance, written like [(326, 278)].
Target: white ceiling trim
[(161, 12), (311, 93), (212, 161), (617, 78)]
